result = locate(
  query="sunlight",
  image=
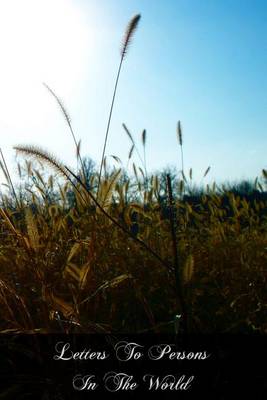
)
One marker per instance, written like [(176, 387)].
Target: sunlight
[(40, 41)]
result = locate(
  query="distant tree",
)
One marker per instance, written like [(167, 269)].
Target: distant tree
[(243, 188), (89, 173)]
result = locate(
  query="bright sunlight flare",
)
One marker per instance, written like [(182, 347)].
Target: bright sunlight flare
[(40, 41)]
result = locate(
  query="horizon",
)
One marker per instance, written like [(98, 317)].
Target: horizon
[(203, 64)]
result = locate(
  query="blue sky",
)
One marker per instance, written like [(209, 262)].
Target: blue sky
[(202, 62)]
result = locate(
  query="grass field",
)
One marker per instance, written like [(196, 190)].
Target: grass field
[(108, 250), (69, 264)]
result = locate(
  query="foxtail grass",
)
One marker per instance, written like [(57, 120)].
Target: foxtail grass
[(68, 120), (129, 33), (43, 155), (180, 141)]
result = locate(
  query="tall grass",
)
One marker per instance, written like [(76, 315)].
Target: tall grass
[(83, 252), (128, 36), (52, 260)]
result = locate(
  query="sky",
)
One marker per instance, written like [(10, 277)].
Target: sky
[(202, 62)]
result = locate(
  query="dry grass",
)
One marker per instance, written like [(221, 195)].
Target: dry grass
[(100, 253), (68, 267)]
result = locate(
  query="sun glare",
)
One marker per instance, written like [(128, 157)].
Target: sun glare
[(40, 41)]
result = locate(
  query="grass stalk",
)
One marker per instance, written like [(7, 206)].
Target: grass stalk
[(68, 120), (180, 141), (132, 26), (177, 266), (6, 171)]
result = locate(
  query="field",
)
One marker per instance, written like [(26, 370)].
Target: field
[(118, 249), (133, 261)]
